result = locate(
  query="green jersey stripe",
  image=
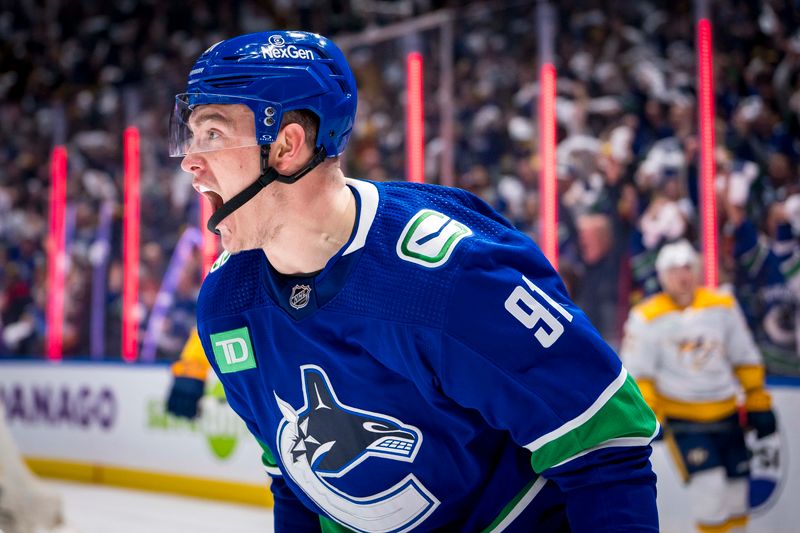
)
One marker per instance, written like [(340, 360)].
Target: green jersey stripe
[(598, 404), (329, 526), (625, 417), (266, 457), (515, 507)]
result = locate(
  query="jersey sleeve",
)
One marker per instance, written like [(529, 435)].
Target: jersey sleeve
[(519, 351), (640, 349), (746, 361), (516, 349), (640, 353)]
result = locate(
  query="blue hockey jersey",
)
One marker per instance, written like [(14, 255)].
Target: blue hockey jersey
[(435, 375)]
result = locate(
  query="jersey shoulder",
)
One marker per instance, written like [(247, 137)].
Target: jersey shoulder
[(655, 307), (436, 227), (421, 237), (233, 285), (706, 298), (660, 305), (452, 241)]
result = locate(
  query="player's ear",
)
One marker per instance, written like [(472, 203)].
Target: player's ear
[(289, 153)]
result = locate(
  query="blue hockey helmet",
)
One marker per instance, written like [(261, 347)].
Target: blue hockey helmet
[(271, 72)]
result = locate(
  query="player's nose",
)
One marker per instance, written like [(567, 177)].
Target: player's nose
[(193, 163)]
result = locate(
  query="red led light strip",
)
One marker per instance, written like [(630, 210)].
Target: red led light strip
[(708, 207), (56, 252), (548, 215), (130, 244), (415, 129)]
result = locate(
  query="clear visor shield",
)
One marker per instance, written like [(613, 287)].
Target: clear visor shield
[(218, 122)]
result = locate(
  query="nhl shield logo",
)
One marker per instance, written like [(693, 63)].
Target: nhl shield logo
[(300, 296)]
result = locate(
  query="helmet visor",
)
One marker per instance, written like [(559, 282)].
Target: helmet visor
[(217, 122)]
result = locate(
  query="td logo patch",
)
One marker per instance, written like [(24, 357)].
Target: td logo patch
[(233, 350), (430, 237)]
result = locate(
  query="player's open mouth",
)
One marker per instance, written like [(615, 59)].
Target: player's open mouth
[(214, 198)]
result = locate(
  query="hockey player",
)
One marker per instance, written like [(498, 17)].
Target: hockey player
[(189, 376), (405, 358), (26, 505), (691, 353)]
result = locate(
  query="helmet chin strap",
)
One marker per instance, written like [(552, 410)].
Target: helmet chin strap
[(268, 175)]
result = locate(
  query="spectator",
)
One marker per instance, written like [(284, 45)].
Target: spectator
[(625, 113)]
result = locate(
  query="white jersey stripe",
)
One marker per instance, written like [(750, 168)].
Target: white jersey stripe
[(368, 194), (583, 417), (522, 504), (566, 314), (621, 442), (273, 470)]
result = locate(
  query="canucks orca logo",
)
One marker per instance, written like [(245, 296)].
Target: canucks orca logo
[(325, 439)]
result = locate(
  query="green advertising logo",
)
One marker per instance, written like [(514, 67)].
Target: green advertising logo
[(217, 423), (221, 437), (233, 350)]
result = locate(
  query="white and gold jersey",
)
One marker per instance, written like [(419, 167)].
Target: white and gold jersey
[(692, 362)]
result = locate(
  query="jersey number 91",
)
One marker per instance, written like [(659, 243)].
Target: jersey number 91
[(524, 306)]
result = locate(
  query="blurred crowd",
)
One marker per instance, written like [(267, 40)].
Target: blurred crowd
[(627, 144)]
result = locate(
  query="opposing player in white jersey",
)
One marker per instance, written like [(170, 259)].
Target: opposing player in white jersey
[(691, 354)]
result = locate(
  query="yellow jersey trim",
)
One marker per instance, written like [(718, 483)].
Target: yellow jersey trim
[(750, 376), (705, 297), (661, 304), (657, 305), (697, 411), (738, 521)]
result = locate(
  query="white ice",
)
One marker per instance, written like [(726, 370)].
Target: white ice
[(103, 509)]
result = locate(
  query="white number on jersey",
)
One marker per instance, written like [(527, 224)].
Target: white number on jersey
[(532, 311)]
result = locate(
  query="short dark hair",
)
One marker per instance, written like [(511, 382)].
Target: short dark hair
[(308, 120)]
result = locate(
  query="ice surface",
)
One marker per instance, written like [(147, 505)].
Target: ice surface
[(103, 509)]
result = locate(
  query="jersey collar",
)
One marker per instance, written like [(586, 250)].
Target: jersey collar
[(367, 195), (301, 296)]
